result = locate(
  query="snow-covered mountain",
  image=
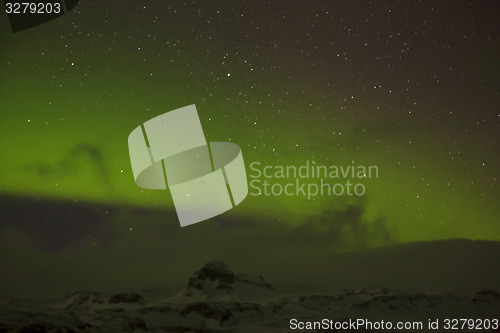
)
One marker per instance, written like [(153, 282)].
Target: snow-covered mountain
[(218, 300)]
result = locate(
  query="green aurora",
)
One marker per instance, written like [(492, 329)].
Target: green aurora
[(421, 107)]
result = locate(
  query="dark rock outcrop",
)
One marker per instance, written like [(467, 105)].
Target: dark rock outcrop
[(216, 275), (253, 280), (83, 298), (126, 298), (215, 271)]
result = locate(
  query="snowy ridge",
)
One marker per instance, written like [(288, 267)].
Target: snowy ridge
[(217, 300)]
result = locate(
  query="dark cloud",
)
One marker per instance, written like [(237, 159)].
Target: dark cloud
[(55, 225), (74, 161), (345, 229), (158, 253), (72, 246)]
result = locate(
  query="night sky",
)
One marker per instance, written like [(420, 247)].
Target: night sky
[(412, 87)]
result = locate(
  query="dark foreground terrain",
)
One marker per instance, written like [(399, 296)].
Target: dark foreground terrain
[(217, 300)]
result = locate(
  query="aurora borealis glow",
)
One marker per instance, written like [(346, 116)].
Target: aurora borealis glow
[(410, 87)]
